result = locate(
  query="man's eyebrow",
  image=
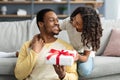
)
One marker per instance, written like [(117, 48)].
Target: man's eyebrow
[(50, 17)]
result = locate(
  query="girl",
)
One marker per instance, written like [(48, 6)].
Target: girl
[(84, 31)]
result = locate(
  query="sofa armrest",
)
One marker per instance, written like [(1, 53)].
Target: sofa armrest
[(7, 66)]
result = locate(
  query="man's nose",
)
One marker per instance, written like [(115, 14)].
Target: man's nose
[(56, 21)]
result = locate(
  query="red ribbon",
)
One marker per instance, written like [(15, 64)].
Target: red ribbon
[(62, 52)]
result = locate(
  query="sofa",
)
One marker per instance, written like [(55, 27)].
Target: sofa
[(14, 34)]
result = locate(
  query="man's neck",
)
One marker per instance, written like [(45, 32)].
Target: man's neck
[(48, 38)]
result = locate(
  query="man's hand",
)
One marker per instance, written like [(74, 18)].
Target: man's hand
[(37, 43), (60, 70)]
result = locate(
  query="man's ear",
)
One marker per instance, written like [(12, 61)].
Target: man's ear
[(41, 24)]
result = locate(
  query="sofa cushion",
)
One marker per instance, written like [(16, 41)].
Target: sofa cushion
[(105, 66), (7, 66), (107, 26), (7, 54), (33, 29), (7, 77), (13, 34), (113, 47)]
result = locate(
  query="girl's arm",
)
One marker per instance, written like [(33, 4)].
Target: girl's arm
[(64, 23), (84, 56)]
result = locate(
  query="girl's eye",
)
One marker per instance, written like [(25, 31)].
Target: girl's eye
[(77, 23)]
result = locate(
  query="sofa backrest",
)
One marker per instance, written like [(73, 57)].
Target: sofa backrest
[(13, 34), (107, 26)]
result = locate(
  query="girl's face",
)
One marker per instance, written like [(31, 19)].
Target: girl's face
[(77, 22)]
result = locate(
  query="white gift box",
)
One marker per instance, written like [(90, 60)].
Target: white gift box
[(61, 58)]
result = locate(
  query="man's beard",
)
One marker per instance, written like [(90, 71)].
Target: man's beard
[(54, 33), (50, 33)]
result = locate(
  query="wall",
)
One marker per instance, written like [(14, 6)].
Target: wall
[(112, 9), (32, 9)]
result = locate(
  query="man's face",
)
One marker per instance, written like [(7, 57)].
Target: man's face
[(51, 23), (77, 22)]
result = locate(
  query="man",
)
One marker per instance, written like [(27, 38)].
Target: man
[(31, 60)]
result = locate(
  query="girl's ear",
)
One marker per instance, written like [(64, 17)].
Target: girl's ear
[(41, 24)]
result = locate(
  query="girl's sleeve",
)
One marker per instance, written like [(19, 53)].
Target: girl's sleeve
[(63, 23), (92, 53)]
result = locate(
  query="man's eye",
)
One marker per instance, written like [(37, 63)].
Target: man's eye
[(51, 19)]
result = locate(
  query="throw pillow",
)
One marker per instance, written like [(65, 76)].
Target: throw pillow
[(113, 46)]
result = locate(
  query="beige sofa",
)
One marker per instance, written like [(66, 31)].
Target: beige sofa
[(13, 34)]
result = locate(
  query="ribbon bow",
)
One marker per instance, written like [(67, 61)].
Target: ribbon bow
[(58, 52)]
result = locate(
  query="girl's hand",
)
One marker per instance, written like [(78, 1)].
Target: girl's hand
[(82, 57), (37, 43), (76, 58)]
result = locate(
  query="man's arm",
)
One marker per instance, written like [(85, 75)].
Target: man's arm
[(71, 72), (27, 57), (25, 63), (66, 73)]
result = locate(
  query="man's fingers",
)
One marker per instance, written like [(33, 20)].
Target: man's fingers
[(61, 68)]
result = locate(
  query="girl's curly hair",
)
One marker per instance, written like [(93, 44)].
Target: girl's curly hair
[(92, 30)]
